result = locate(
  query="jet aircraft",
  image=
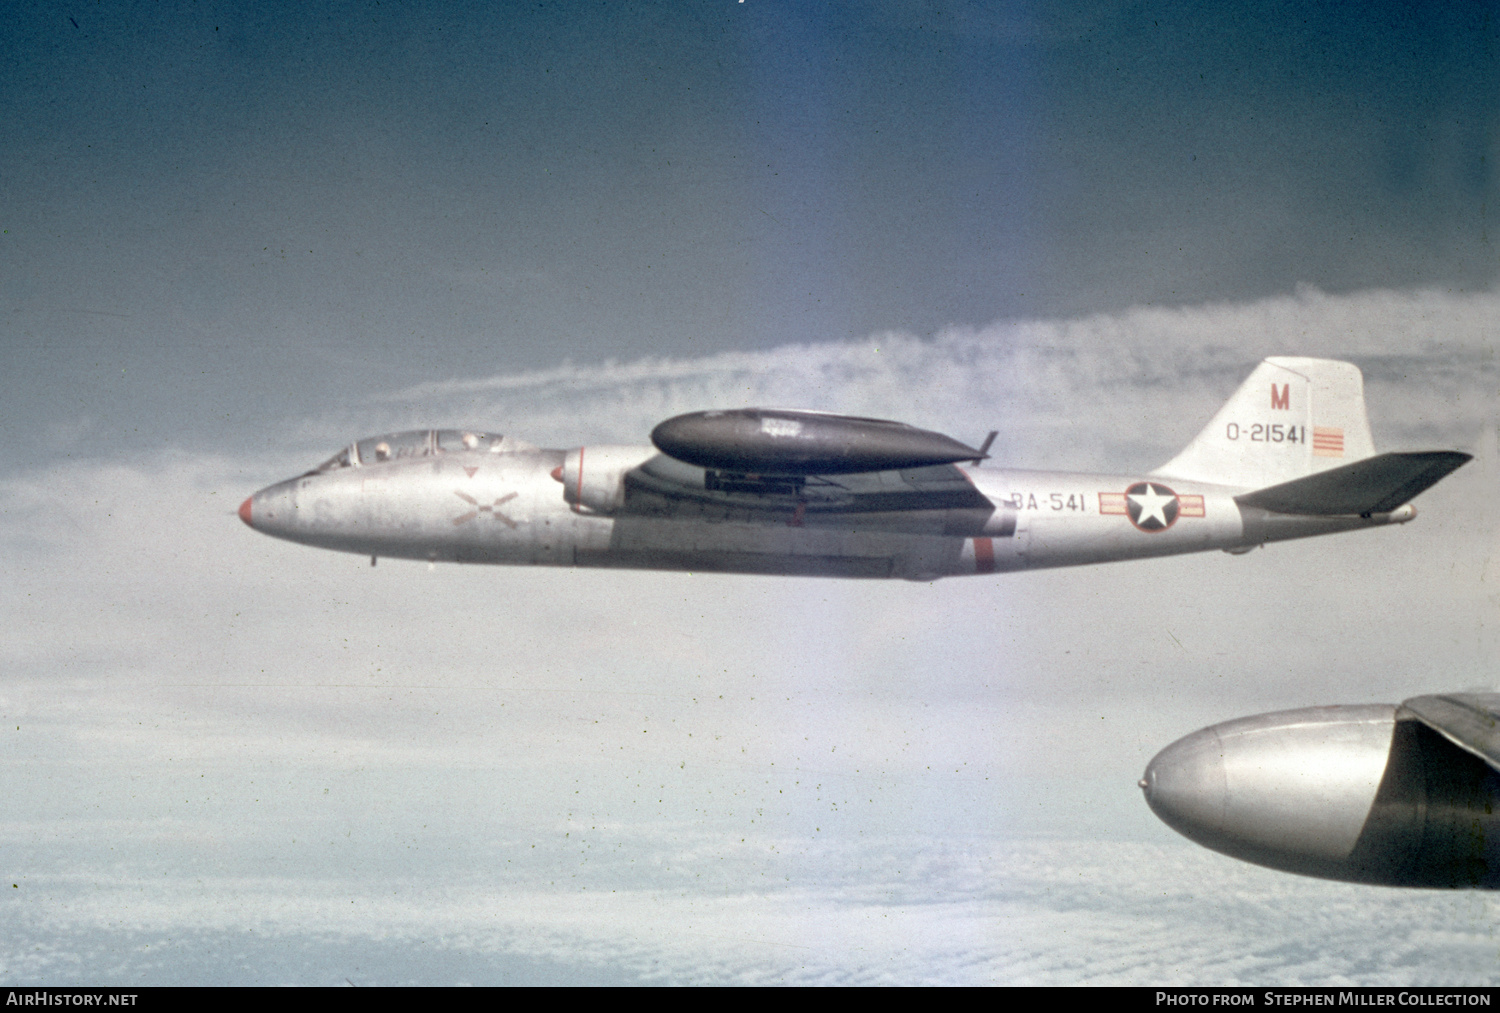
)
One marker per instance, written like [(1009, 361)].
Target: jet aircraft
[(1402, 795), (809, 493)]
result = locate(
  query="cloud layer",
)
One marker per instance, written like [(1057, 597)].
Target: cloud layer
[(1107, 390), (884, 911), (710, 778)]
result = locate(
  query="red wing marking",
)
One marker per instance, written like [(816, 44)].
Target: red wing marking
[(1190, 506), (470, 470)]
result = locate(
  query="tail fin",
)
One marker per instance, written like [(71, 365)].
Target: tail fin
[(1293, 417)]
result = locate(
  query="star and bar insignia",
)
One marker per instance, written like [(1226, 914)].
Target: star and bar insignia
[(1151, 506)]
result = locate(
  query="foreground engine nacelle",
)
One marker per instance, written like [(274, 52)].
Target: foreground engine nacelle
[(593, 478), (1366, 794)]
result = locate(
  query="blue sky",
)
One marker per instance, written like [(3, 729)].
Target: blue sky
[(233, 238), (217, 213)]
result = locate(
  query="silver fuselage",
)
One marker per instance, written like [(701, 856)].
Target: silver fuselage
[(485, 506)]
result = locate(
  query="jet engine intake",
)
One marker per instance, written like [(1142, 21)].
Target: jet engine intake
[(593, 478)]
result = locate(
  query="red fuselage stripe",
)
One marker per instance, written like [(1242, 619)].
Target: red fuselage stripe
[(984, 555)]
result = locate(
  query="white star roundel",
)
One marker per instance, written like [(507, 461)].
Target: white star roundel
[(1152, 506)]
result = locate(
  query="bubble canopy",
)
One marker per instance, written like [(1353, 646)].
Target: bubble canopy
[(417, 443)]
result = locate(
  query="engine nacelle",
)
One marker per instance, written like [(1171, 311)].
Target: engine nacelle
[(593, 478), (1363, 794)]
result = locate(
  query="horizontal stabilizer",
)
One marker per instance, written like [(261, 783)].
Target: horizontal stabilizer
[(1471, 721), (1375, 485)]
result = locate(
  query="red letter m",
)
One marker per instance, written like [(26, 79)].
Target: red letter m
[(1281, 398)]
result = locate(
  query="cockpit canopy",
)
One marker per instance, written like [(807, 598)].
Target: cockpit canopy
[(419, 443)]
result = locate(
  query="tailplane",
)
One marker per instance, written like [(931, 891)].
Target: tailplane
[(1376, 485), (1292, 418)]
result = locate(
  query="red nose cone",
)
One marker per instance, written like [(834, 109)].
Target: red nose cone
[(556, 474), (245, 511)]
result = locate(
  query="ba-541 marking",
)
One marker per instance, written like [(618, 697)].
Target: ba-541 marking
[(808, 493)]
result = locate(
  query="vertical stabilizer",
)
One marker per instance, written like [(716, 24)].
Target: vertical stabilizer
[(1293, 417)]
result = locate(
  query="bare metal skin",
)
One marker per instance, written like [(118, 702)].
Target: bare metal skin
[(1380, 794), (805, 493), (508, 508)]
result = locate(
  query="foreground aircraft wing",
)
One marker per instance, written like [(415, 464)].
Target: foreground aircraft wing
[(1375, 485), (1471, 721)]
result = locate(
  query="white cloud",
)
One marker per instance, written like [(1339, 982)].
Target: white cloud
[(190, 694), (881, 911), (1129, 386)]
